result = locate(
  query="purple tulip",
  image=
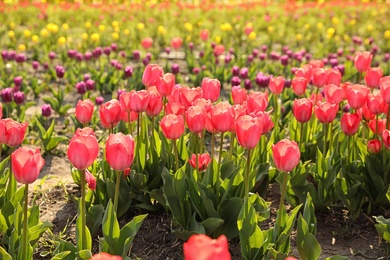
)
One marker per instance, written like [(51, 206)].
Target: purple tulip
[(6, 95), (136, 55), (236, 81), (19, 97), (81, 87), (99, 100), (175, 69), (90, 84), (128, 71), (46, 110)]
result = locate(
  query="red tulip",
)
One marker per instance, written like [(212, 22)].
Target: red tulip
[(105, 256), (222, 116), (357, 95), (189, 95), (84, 111), (165, 84), (155, 103), (333, 94), (257, 101), (384, 84), (315, 64), (27, 163), (110, 113), (374, 146), (202, 247), (286, 155), (265, 121), (386, 138), (11, 132), (211, 89), (125, 116), (196, 119), (152, 74), (375, 103), (333, 77), (83, 148), (176, 42), (302, 109), (325, 112), (175, 108), (172, 126), (381, 126), (363, 61), (305, 71), (175, 95), (248, 130), (203, 161), (239, 95), (203, 103), (219, 50), (365, 113), (239, 111), (350, 123), (120, 151), (372, 77), (147, 42), (139, 100), (298, 85), (204, 34), (319, 77), (276, 85), (90, 179)]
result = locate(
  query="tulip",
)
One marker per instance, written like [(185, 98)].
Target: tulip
[(211, 89), (276, 85), (90, 179), (6, 95), (147, 42), (165, 84), (376, 104), (386, 138), (239, 95), (286, 155), (105, 256), (155, 103), (373, 76), (196, 119), (46, 110), (176, 43), (364, 112), (172, 126), (84, 111), (374, 146), (110, 113), (305, 72), (299, 85), (1, 110), (203, 103), (19, 97), (333, 94), (350, 123), (60, 71), (357, 96), (27, 163), (222, 116), (257, 101), (203, 161), (302, 109), (248, 130), (11, 132), (120, 151), (189, 95), (152, 74), (175, 108), (319, 77), (325, 112), (377, 126), (202, 247), (333, 76), (362, 61), (384, 84), (204, 34)]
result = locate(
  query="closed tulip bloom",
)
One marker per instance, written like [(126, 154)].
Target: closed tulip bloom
[(333, 77), (276, 85), (239, 95), (120, 151), (124, 101), (196, 119), (6, 95), (204, 34), (305, 71), (377, 127), (265, 121), (84, 110), (152, 74), (12, 132), (239, 110), (302, 109), (147, 42), (386, 138), (363, 61), (105, 256), (90, 179), (222, 116), (110, 113), (175, 108), (384, 84), (257, 101), (172, 126), (319, 77), (357, 96), (365, 113), (333, 93), (139, 100), (175, 95), (27, 163), (374, 146), (83, 148), (350, 123), (299, 85), (203, 161), (248, 130), (372, 77), (375, 103), (165, 84), (211, 89), (176, 42), (209, 123), (155, 103), (203, 103), (286, 155), (189, 95), (325, 112), (316, 64), (202, 247)]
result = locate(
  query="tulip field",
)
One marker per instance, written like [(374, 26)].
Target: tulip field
[(194, 130)]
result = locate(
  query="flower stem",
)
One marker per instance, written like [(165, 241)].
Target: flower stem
[(176, 154), (220, 152), (212, 145), (11, 180), (129, 124), (246, 176), (325, 137), (387, 119), (117, 185), (25, 223), (232, 138), (330, 137), (281, 203), (83, 211)]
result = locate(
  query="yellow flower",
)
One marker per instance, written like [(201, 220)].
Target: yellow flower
[(116, 29), (140, 26), (84, 36), (65, 27), (218, 39), (320, 26), (337, 38), (161, 30), (387, 34), (374, 12), (95, 37), (22, 47), (61, 40), (11, 34), (252, 36), (11, 25), (330, 31), (299, 36), (69, 39), (44, 32), (370, 27), (335, 20), (226, 27), (188, 27), (88, 24), (352, 22), (115, 23), (27, 33), (188, 38), (346, 37), (102, 28), (126, 31), (51, 27), (115, 35), (35, 38), (200, 23), (307, 26), (270, 28)]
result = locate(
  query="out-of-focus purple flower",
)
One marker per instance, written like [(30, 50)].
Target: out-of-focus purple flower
[(19, 97), (87, 56), (136, 55), (287, 83), (228, 59), (352, 50), (250, 58), (113, 63), (123, 54), (128, 71), (325, 61), (284, 60), (149, 56), (120, 91), (244, 73), (346, 108), (81, 87), (18, 80), (60, 71), (341, 68), (90, 84), (72, 54), (386, 57), (201, 54), (35, 65), (11, 55), (262, 56), (4, 55), (247, 84), (118, 66), (274, 56), (20, 58), (255, 53), (52, 55), (107, 51), (285, 49), (262, 80), (213, 44), (357, 40), (196, 70), (203, 67), (235, 70), (231, 51), (79, 56), (191, 46), (289, 53), (168, 50), (175, 69), (46, 110), (264, 48), (333, 62), (86, 77), (99, 100), (374, 49), (6, 95), (236, 81), (340, 52), (293, 70), (145, 61), (97, 52), (114, 47)]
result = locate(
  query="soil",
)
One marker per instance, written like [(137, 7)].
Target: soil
[(55, 189)]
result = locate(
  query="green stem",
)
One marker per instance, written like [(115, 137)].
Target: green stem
[(276, 121), (197, 172), (11, 181), (176, 154), (83, 211), (232, 138), (348, 152), (201, 142), (246, 177), (212, 145), (117, 185), (330, 137), (152, 138), (129, 124), (325, 135), (25, 223), (220, 152), (281, 203)]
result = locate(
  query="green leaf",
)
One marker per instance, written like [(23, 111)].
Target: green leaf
[(307, 244), (110, 226), (4, 255), (37, 231), (337, 257), (85, 254), (79, 234)]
